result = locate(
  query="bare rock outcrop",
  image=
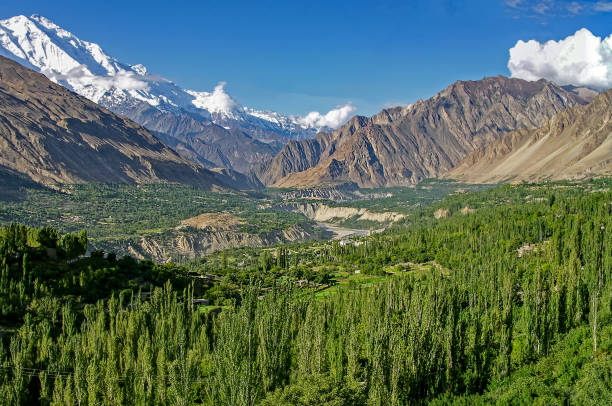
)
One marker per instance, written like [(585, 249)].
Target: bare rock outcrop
[(325, 213), (183, 244)]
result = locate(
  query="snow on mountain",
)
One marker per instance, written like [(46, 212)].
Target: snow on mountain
[(39, 44), (83, 67)]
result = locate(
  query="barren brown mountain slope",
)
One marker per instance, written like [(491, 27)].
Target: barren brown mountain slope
[(576, 143), (55, 136), (403, 145), (301, 155)]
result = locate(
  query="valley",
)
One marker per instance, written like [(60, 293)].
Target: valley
[(421, 229), (178, 223), (420, 274)]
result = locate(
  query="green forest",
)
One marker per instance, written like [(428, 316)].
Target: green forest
[(494, 296), (116, 216), (117, 211)]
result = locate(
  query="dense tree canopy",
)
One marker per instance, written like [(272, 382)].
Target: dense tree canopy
[(510, 302)]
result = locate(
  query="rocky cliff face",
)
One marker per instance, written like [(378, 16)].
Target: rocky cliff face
[(574, 144), (403, 145), (298, 156), (325, 213), (191, 244), (52, 136)]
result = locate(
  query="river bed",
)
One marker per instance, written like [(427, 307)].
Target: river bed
[(343, 232)]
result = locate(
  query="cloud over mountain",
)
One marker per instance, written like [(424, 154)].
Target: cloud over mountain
[(333, 119), (582, 59), (83, 67), (121, 79)]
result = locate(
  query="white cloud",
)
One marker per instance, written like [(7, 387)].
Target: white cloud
[(544, 9), (513, 3), (581, 59), (603, 6), (123, 80), (216, 102), (575, 7), (333, 119)]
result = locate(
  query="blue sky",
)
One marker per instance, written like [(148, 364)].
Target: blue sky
[(299, 56)]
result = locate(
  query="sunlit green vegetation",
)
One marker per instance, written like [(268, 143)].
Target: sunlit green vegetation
[(116, 212), (508, 303)]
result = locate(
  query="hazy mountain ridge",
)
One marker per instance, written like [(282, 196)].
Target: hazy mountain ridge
[(574, 144), (403, 145), (204, 142)]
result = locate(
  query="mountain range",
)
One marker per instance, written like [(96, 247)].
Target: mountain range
[(574, 144), (54, 136), (210, 128), (402, 145), (90, 118)]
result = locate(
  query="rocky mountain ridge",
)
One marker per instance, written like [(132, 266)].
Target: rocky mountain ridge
[(574, 144), (211, 126), (402, 145)]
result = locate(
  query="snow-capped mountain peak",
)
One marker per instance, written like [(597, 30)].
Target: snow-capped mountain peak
[(47, 46), (140, 69), (84, 67)]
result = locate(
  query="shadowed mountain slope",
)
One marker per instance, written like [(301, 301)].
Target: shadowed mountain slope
[(53, 135)]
